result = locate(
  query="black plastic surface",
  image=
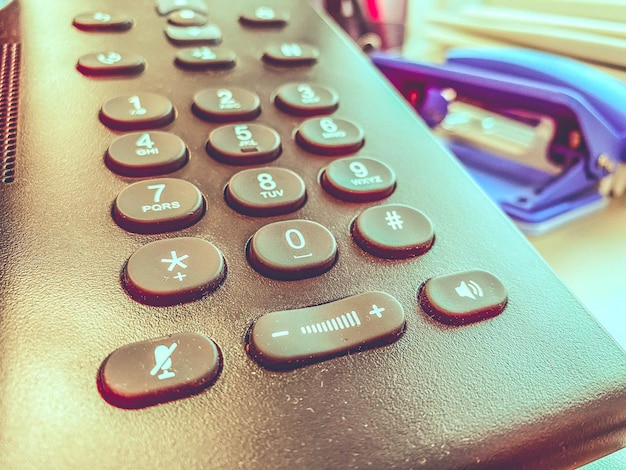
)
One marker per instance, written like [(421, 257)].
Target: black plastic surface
[(539, 386)]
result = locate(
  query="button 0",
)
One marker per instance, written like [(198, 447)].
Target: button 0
[(291, 338), (158, 205), (135, 112), (159, 370), (393, 231), (463, 297), (292, 249), (174, 271)]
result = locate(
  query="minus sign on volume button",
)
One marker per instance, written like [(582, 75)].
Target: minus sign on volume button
[(291, 338)]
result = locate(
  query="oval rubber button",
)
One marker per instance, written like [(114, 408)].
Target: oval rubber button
[(205, 57), (135, 112), (463, 297), (358, 179), (146, 154), (330, 136), (291, 54), (110, 63), (265, 191), (159, 370), (306, 99), (291, 338), (226, 104), (244, 144), (264, 16), (174, 271), (393, 231), (292, 249), (103, 21), (158, 205)]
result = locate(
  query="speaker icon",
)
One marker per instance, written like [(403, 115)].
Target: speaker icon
[(469, 289)]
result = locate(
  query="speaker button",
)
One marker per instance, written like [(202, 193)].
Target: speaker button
[(463, 297), (159, 370)]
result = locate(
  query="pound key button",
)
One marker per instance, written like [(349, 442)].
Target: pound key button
[(159, 370), (463, 297), (173, 271), (291, 338)]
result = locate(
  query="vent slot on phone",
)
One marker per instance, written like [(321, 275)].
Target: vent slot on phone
[(9, 97)]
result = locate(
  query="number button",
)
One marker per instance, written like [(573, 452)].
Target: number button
[(266, 191), (102, 21), (330, 136), (226, 104), (393, 231), (146, 154), (159, 370), (141, 111), (158, 205), (110, 63), (244, 144), (292, 249), (173, 271), (358, 179), (306, 99)]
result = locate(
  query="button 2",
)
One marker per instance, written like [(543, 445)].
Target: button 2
[(291, 338), (174, 271), (159, 370), (463, 297)]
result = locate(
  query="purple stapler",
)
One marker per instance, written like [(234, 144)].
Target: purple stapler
[(537, 131)]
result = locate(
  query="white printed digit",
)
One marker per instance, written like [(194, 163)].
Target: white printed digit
[(226, 98), (328, 125), (158, 188), (145, 140), (243, 133), (359, 169), (266, 182), (295, 239)]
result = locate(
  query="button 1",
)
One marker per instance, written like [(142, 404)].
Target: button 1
[(306, 99), (226, 104), (159, 370), (208, 34), (146, 154), (187, 18), (393, 231), (463, 297), (158, 205), (330, 136), (173, 271), (291, 54), (292, 249), (265, 191), (102, 21), (165, 7), (110, 63), (358, 179), (291, 338), (244, 144), (135, 112), (205, 57), (264, 16)]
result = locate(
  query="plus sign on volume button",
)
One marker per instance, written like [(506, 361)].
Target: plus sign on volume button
[(290, 338), (173, 271)]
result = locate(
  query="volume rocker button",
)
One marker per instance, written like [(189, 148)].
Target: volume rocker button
[(291, 338)]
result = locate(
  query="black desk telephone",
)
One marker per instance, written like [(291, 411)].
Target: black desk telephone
[(226, 242)]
